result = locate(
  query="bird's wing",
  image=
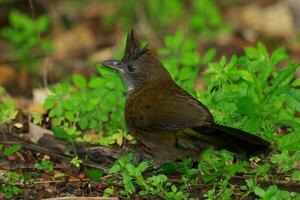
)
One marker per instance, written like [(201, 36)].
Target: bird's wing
[(172, 113)]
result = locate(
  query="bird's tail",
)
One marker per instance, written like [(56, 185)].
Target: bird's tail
[(232, 139)]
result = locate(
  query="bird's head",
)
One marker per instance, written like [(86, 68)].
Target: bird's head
[(138, 67)]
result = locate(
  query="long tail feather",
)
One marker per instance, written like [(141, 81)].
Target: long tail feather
[(234, 139)]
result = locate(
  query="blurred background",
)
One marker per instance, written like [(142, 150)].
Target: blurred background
[(46, 41)]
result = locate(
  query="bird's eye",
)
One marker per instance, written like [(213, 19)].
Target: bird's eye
[(131, 68)]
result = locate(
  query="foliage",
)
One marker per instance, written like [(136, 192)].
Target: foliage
[(23, 37), (88, 105), (8, 111), (251, 93), (94, 174), (285, 160), (7, 186), (271, 193), (11, 149), (256, 92), (182, 60), (207, 19), (45, 165), (82, 105), (201, 16), (156, 185), (76, 161), (214, 164)]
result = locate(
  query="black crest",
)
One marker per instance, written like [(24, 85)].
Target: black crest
[(133, 48)]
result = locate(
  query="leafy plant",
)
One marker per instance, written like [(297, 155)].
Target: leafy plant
[(286, 161), (11, 149), (182, 60), (202, 16), (207, 19), (214, 164), (45, 165), (93, 173), (251, 93), (23, 37), (76, 161), (7, 185), (88, 105), (157, 185), (220, 190), (8, 111), (271, 193)]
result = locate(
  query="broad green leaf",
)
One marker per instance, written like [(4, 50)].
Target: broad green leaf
[(61, 133), (49, 102), (290, 142), (79, 81), (11, 149), (247, 76), (292, 99), (251, 52), (93, 173), (296, 176), (278, 56), (115, 169), (209, 55), (97, 83), (296, 82), (142, 166)]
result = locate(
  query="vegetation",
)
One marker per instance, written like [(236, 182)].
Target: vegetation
[(257, 92)]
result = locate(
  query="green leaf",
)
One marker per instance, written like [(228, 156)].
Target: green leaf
[(142, 166), (131, 169), (290, 142), (49, 102), (292, 99), (263, 169), (296, 82), (11, 149), (127, 182), (251, 52), (278, 56), (247, 76), (115, 169), (97, 83), (42, 23), (61, 133), (259, 192), (79, 81), (209, 55), (262, 50), (282, 76), (93, 173), (296, 176)]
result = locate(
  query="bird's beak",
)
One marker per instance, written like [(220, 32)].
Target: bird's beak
[(114, 64)]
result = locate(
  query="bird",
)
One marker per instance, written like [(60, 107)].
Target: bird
[(168, 122)]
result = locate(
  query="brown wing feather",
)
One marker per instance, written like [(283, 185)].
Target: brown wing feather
[(168, 111)]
